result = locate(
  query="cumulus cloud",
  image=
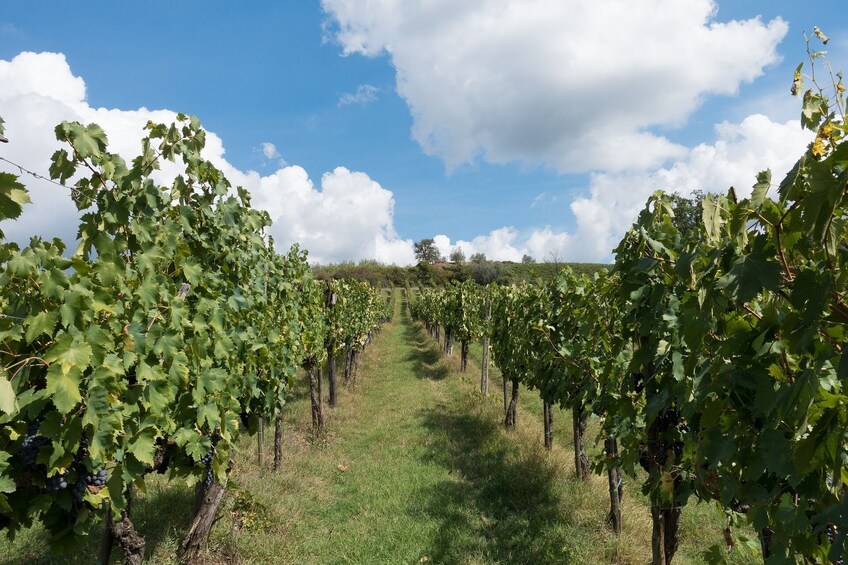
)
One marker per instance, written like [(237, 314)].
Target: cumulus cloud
[(348, 215), (348, 218), (575, 85), (364, 94), (740, 151)]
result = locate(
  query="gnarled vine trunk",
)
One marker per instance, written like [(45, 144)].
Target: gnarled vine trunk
[(510, 419), (347, 366), (202, 523), (666, 534), (664, 515), (315, 397), (581, 461), (124, 534), (463, 357), (765, 542), (615, 487)]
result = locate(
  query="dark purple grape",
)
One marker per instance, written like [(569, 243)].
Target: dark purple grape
[(56, 483), (30, 448), (78, 489)]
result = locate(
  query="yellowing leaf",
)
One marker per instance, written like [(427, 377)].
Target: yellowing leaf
[(8, 403)]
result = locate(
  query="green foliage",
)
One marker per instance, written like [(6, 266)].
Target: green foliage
[(174, 321), (457, 256), (714, 350), (487, 272), (426, 251)]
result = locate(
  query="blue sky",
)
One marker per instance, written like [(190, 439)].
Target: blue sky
[(287, 74)]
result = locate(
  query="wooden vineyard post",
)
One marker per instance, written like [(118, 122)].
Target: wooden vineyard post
[(259, 438), (548, 417), (484, 375), (278, 440), (331, 359)]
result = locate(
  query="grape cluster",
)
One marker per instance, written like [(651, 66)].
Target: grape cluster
[(97, 479), (82, 452), (57, 482), (660, 456), (31, 444), (78, 489), (206, 460)]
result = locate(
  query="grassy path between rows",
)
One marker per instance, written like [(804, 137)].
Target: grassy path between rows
[(415, 468), (431, 477)]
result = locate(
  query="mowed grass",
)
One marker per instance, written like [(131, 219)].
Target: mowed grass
[(415, 467)]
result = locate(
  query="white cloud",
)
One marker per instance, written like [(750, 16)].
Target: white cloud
[(270, 155), (269, 150), (365, 94), (509, 244), (740, 151), (350, 218), (575, 84)]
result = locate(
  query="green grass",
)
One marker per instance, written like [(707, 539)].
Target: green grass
[(430, 476)]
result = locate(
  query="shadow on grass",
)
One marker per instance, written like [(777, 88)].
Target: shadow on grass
[(162, 516), (504, 508), (429, 363)]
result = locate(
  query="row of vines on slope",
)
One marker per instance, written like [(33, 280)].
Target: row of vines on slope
[(174, 327), (712, 354)]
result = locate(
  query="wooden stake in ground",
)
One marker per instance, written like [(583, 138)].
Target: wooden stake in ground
[(260, 433), (331, 376), (348, 365), (278, 440), (505, 394), (331, 298), (548, 417), (510, 419), (484, 375)]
